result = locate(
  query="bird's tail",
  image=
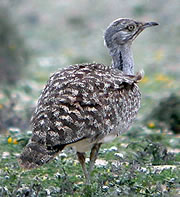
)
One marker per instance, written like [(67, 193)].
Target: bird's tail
[(34, 155)]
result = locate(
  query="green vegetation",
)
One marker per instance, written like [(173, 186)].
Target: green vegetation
[(128, 166), (145, 161)]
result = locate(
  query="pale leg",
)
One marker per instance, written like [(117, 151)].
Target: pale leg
[(93, 156), (82, 158)]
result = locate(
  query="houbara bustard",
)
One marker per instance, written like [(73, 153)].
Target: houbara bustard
[(85, 105)]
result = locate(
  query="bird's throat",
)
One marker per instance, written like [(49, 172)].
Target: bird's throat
[(122, 58)]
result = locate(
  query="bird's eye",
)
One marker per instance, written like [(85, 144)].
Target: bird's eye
[(130, 27)]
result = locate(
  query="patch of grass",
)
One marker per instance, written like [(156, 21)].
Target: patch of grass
[(146, 168)]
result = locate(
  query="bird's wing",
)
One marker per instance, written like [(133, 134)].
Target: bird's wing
[(71, 105)]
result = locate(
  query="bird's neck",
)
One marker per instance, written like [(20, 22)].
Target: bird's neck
[(122, 58)]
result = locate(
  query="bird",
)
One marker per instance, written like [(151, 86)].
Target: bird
[(85, 105)]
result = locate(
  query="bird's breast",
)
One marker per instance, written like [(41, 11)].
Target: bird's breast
[(122, 109)]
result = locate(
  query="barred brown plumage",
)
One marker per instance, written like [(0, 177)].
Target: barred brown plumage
[(82, 106)]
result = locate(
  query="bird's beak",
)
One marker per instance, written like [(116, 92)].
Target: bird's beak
[(143, 26), (148, 24)]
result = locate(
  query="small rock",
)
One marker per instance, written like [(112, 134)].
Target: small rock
[(48, 192), (105, 150), (105, 188), (62, 155), (58, 175), (120, 155), (17, 154), (29, 132), (118, 181), (118, 191), (113, 148), (101, 163), (142, 169), (5, 155), (14, 130)]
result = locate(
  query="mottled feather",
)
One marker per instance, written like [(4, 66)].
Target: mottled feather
[(86, 101)]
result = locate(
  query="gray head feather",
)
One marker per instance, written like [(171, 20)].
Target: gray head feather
[(122, 31)]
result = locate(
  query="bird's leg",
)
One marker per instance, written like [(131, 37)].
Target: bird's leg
[(93, 156), (82, 158)]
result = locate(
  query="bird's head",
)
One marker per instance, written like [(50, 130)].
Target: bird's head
[(123, 30)]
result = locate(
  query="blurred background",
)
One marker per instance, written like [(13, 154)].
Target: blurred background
[(38, 37)]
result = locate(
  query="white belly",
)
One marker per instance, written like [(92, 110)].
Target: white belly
[(86, 144), (108, 138), (82, 146)]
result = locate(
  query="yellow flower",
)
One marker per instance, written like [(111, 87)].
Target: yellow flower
[(15, 141), (144, 80), (1, 106), (10, 140), (106, 183), (151, 125), (162, 77), (108, 170), (6, 168)]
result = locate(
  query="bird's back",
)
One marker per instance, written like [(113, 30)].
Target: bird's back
[(87, 101)]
